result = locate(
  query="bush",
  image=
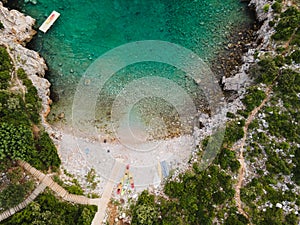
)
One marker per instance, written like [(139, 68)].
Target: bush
[(1, 25), (145, 211), (266, 71), (277, 7), (13, 194), (32, 99), (16, 142), (266, 8), (233, 133), (5, 61), (46, 154), (253, 98), (46, 209), (296, 56), (271, 23), (4, 79), (289, 21)]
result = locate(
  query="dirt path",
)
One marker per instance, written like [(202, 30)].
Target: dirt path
[(14, 73), (241, 159)]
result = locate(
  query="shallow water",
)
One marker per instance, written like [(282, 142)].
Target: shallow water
[(88, 29)]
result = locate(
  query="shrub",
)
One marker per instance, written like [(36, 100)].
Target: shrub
[(233, 133), (4, 79), (5, 61), (1, 25), (277, 7), (289, 21), (32, 99), (46, 209), (16, 142), (266, 72), (46, 153), (271, 23), (12, 195), (296, 56), (266, 8), (253, 98)]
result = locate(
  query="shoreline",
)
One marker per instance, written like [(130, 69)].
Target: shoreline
[(57, 134), (234, 85)]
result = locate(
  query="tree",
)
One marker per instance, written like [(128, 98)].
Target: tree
[(16, 142), (146, 215), (12, 195)]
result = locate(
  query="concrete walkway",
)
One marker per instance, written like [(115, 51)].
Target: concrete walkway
[(104, 200)]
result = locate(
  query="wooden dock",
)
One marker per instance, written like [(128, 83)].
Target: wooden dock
[(49, 21)]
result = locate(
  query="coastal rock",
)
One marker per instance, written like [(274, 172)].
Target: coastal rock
[(16, 33), (241, 79)]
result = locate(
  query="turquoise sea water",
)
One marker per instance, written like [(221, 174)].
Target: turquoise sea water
[(87, 29)]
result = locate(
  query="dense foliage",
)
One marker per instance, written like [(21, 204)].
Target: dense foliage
[(5, 67), (14, 184), (19, 113), (46, 153), (193, 197), (46, 209), (273, 150), (287, 25), (16, 142)]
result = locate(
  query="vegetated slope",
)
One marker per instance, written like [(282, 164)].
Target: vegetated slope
[(23, 137), (269, 191)]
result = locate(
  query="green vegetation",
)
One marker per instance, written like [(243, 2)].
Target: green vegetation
[(47, 153), (18, 115), (266, 8), (253, 98), (32, 100), (192, 199), (296, 56), (16, 142), (14, 194), (46, 209), (14, 186), (234, 132), (266, 71), (275, 148), (5, 68), (277, 7), (90, 178), (1, 25), (145, 212), (288, 25), (73, 188)]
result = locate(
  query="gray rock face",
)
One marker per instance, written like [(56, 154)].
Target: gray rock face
[(17, 31), (241, 80)]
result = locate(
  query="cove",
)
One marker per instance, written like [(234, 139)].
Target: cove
[(88, 29)]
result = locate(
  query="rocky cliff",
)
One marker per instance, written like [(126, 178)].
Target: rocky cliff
[(16, 33), (263, 43)]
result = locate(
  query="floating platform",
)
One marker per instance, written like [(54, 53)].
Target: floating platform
[(49, 21)]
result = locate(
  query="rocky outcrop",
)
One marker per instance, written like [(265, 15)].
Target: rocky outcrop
[(16, 33), (263, 43)]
